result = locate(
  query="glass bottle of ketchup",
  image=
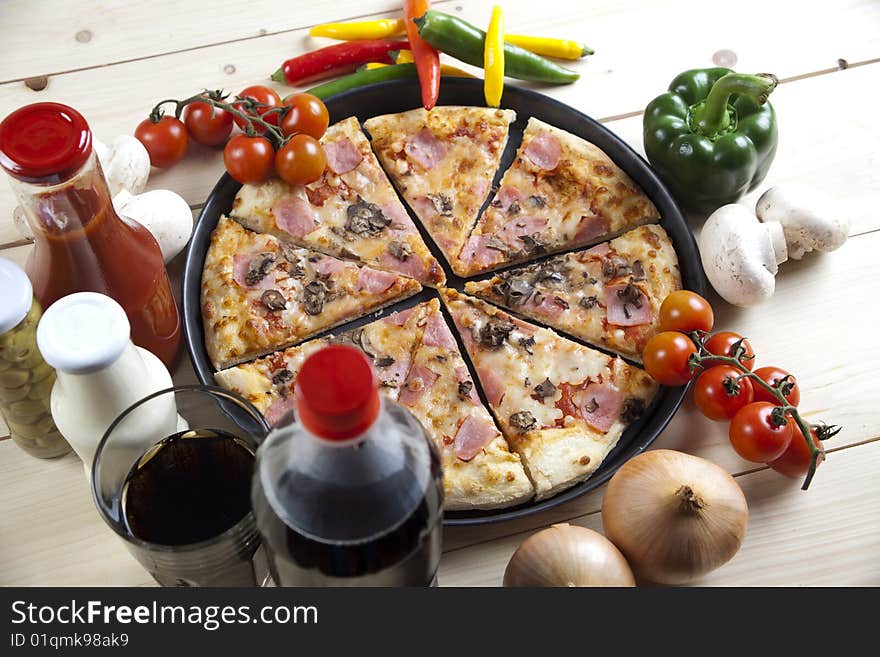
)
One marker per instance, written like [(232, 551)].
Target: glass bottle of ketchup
[(80, 243)]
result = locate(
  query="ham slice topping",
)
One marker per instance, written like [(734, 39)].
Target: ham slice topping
[(598, 251), (375, 281), (418, 381), (549, 307), (627, 305), (242, 264), (600, 405), (295, 216), (492, 385), (437, 333), (472, 436), (507, 195), (590, 228), (425, 148), (279, 408), (328, 266), (544, 150), (400, 318), (513, 230), (478, 252), (412, 266), (342, 156)]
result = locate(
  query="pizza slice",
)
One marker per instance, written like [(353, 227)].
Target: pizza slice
[(351, 212), (260, 294), (609, 295), (443, 162), (479, 471), (561, 406), (561, 192), (389, 342)]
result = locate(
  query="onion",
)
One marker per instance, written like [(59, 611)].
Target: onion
[(674, 516), (568, 555)]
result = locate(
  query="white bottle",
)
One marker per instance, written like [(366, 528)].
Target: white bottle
[(100, 373)]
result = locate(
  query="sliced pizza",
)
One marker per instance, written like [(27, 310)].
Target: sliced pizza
[(260, 294), (561, 406), (609, 295), (479, 471), (560, 193), (389, 342), (443, 162), (352, 211)]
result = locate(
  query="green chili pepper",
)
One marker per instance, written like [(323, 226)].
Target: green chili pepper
[(363, 77), (712, 136), (463, 41)]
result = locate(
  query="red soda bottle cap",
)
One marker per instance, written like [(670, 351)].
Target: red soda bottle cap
[(44, 140), (336, 393)]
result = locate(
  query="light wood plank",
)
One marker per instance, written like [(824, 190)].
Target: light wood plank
[(94, 33), (618, 79), (834, 370), (824, 537)]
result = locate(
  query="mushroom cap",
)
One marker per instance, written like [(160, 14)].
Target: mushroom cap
[(165, 214), (741, 255), (808, 219)]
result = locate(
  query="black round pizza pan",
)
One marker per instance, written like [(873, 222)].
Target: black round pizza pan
[(401, 95)]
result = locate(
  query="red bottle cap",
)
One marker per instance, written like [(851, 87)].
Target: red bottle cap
[(336, 392), (44, 140)]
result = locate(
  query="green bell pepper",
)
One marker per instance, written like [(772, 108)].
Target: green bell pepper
[(712, 136)]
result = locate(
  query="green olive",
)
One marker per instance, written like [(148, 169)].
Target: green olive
[(39, 427), (46, 447), (26, 410), (9, 395), (42, 389), (4, 365), (13, 379)]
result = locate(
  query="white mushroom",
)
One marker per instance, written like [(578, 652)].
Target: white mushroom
[(165, 214), (741, 255), (126, 164), (808, 219)]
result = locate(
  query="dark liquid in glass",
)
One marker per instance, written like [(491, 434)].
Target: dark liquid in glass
[(192, 486), (405, 555)]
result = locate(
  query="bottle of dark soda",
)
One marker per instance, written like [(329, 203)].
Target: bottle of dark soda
[(350, 493)]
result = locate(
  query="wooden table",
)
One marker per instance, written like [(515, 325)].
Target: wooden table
[(113, 60)]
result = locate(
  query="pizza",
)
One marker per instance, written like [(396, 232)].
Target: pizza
[(561, 406), (389, 342), (260, 294), (352, 211), (560, 193), (443, 162), (609, 295), (479, 471)]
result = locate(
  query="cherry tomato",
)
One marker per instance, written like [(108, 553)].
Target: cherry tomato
[(208, 125), (773, 375), (301, 160), (264, 96), (686, 311), (712, 397), (165, 141), (248, 159), (721, 344), (754, 435), (306, 114), (666, 358), (795, 461)]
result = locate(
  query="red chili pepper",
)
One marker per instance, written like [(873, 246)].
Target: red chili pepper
[(336, 59), (427, 58)]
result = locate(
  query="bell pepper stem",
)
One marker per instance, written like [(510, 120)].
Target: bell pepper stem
[(278, 76), (712, 117)]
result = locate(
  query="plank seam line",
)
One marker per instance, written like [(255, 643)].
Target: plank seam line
[(592, 513), (204, 45), (793, 78)]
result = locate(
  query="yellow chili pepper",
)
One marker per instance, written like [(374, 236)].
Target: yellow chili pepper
[(371, 65), (381, 29), (558, 48), (406, 57), (493, 59)]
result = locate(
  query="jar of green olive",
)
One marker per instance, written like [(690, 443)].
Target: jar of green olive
[(25, 379)]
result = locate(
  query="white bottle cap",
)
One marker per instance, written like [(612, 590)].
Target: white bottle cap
[(83, 332), (16, 295)]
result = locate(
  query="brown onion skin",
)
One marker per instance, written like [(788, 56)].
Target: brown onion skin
[(675, 516), (567, 555)]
